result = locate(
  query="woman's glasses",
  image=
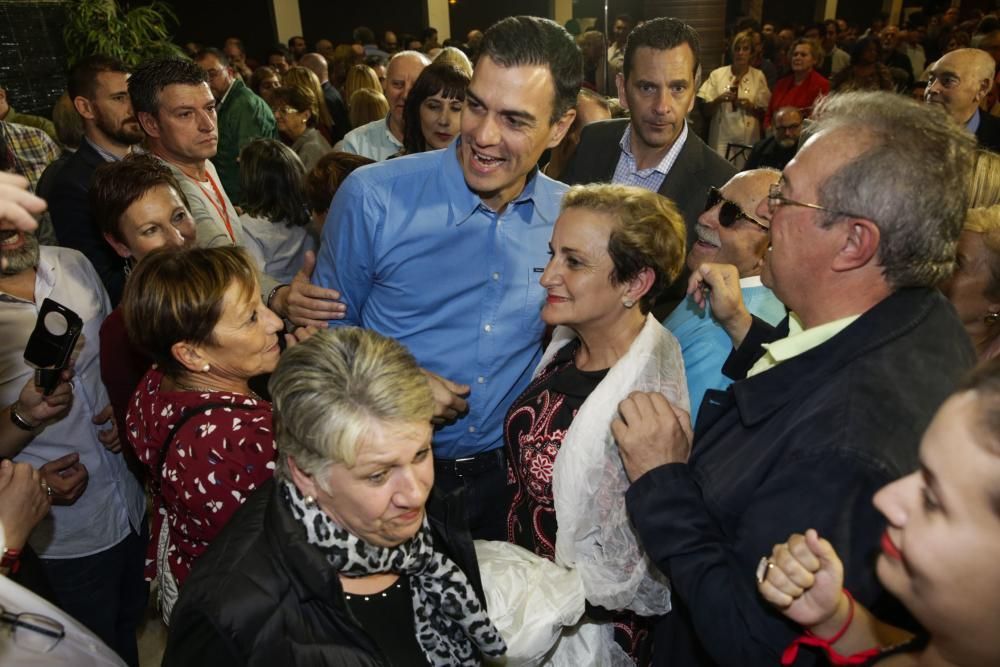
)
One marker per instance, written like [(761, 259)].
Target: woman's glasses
[(730, 211)]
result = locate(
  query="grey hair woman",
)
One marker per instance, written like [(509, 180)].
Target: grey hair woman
[(346, 553)]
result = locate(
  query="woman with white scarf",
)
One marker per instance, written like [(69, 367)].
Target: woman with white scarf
[(614, 249)]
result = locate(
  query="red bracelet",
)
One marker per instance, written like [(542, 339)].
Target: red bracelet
[(11, 559), (809, 639)]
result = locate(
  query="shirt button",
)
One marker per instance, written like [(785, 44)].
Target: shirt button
[(480, 379), (488, 328), (472, 429), (496, 276)]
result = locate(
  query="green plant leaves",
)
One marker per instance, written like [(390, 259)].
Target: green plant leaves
[(100, 26)]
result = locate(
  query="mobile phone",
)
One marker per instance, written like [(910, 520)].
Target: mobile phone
[(50, 346)]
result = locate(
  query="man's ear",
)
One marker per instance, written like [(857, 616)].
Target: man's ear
[(119, 247), (149, 124), (561, 127), (860, 245), (83, 107)]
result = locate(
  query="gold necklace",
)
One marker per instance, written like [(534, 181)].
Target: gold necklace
[(185, 387)]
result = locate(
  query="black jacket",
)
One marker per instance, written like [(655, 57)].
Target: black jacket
[(74, 223), (988, 132), (697, 167), (261, 595), (803, 445)]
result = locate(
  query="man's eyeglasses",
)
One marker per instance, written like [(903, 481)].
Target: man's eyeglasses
[(34, 632), (730, 211), (775, 200)]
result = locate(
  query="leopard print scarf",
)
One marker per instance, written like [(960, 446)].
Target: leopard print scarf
[(450, 621)]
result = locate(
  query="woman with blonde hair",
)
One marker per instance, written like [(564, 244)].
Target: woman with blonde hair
[(984, 189), (974, 288), (301, 76), (366, 106), (614, 249), (358, 77), (736, 97)]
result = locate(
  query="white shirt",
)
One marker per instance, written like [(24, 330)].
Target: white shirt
[(113, 502), (282, 247), (729, 126), (211, 213), (372, 140)]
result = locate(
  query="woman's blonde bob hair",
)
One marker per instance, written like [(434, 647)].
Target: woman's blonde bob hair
[(649, 232), (331, 391)]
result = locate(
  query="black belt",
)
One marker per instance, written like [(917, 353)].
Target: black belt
[(472, 465)]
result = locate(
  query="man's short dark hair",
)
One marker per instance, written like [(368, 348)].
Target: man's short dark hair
[(363, 35), (626, 19), (662, 34), (280, 50), (291, 40), (375, 60), (152, 76), (529, 40), (212, 51), (427, 33), (82, 79)]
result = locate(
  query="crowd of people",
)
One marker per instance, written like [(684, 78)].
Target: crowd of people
[(373, 339)]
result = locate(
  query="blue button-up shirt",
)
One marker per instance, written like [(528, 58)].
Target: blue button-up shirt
[(418, 257)]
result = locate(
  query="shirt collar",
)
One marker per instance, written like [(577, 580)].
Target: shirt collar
[(751, 281), (388, 132), (464, 202), (233, 83), (973, 124), (668, 159), (106, 155)]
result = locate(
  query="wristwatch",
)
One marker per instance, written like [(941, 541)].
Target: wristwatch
[(11, 559)]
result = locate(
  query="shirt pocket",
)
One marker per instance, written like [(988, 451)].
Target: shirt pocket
[(534, 298)]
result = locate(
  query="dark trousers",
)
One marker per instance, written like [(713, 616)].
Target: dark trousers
[(106, 591), (484, 478)]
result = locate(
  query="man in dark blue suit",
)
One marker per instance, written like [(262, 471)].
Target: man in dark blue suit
[(99, 91)]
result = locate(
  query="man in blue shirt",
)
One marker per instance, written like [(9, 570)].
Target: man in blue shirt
[(443, 251), (729, 232)]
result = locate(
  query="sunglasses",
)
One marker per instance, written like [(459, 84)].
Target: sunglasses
[(730, 211)]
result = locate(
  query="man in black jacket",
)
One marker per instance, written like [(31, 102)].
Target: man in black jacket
[(828, 407), (99, 91), (655, 149)]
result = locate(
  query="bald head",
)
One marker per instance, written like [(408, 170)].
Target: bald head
[(403, 70), (959, 81), (317, 64)]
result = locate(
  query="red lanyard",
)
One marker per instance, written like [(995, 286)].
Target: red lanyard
[(220, 207)]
